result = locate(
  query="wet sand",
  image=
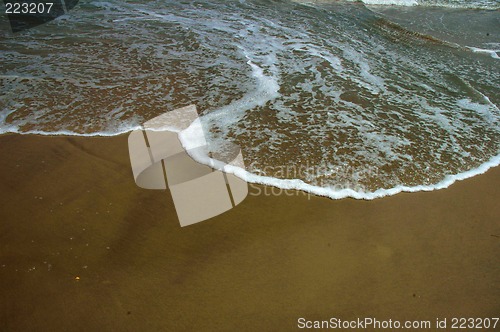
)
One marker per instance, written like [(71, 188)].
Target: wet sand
[(70, 209)]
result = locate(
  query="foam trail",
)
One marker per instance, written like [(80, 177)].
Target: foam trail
[(297, 184), (267, 90), (4, 126), (391, 2), (478, 4), (13, 129), (492, 53), (10, 128)]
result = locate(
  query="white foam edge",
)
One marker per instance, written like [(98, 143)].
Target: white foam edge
[(291, 184), (11, 129), (407, 3), (190, 143), (492, 53)]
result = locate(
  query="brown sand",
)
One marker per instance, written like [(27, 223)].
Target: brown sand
[(70, 209)]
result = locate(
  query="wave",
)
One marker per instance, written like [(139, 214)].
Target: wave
[(298, 184), (478, 4), (267, 89), (8, 128), (492, 53), (191, 137), (391, 2), (384, 109), (188, 142)]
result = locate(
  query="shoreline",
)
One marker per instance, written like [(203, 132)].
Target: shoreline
[(290, 184), (72, 210)]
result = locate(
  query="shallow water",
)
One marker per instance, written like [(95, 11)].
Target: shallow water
[(337, 99)]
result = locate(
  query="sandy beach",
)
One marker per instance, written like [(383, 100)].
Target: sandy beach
[(82, 248)]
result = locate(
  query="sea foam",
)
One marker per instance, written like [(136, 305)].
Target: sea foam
[(391, 2), (192, 137), (474, 4), (492, 53), (290, 85)]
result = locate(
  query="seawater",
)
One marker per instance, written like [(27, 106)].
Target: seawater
[(340, 99)]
